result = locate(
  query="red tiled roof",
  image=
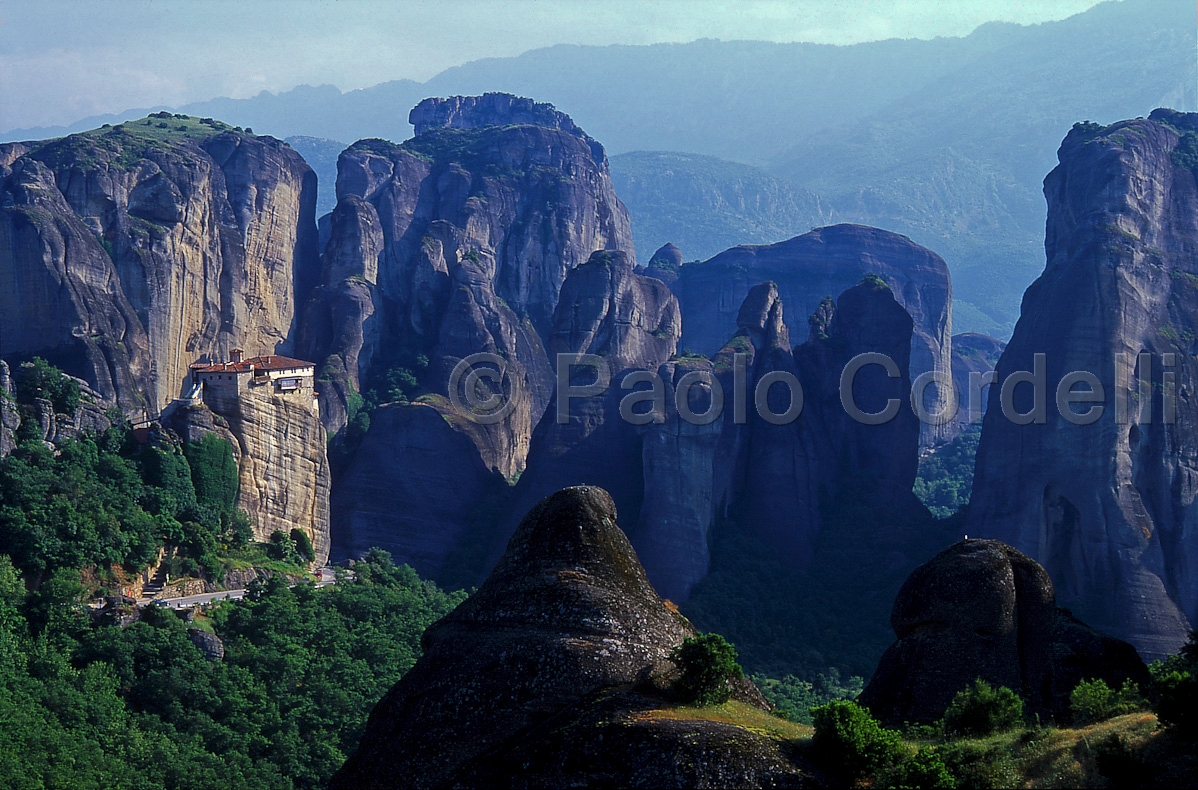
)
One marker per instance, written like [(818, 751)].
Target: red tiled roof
[(264, 364)]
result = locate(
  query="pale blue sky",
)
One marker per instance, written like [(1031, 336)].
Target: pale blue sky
[(62, 60)]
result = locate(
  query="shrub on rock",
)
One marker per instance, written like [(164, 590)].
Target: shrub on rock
[(708, 665), (983, 709)]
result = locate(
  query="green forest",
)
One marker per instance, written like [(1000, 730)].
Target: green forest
[(86, 704), (88, 700)]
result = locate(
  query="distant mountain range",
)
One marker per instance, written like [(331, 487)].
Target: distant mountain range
[(706, 205), (946, 140)]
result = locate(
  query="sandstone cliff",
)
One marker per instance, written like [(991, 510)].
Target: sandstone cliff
[(493, 109), (678, 463), (550, 676), (128, 252), (868, 318), (774, 479), (1108, 508), (809, 268), (665, 264), (813, 524), (607, 308), (60, 293), (279, 447), (980, 609), (283, 467), (677, 477), (458, 242), (10, 418)]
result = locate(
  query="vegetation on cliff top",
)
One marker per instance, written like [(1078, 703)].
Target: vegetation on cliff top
[(124, 144)]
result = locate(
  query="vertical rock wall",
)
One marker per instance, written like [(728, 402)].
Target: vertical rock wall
[(10, 420), (128, 253), (458, 242), (1109, 508), (823, 263), (284, 468)]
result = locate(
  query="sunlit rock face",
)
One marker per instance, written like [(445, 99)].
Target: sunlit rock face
[(127, 254), (457, 242)]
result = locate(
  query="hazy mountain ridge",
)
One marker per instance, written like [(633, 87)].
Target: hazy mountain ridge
[(958, 165), (321, 154), (706, 205), (612, 90)]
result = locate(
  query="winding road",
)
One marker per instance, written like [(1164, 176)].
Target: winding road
[(326, 577)]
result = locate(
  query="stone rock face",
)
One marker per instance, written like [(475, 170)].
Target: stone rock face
[(770, 476), (127, 255), (537, 665), (418, 488), (763, 471), (608, 308), (1109, 508), (869, 318), (492, 109), (283, 466), (10, 419), (667, 256), (280, 450), (665, 264), (678, 476), (60, 293), (209, 645), (90, 416), (47, 424), (457, 242), (678, 460), (976, 354), (818, 264), (632, 321), (980, 609), (191, 422), (53, 428)]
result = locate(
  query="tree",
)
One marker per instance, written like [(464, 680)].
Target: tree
[(1175, 690), (982, 709), (924, 769), (303, 545), (166, 470), (39, 379), (707, 664), (1177, 703), (1093, 700), (282, 547), (214, 473), (849, 744)]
